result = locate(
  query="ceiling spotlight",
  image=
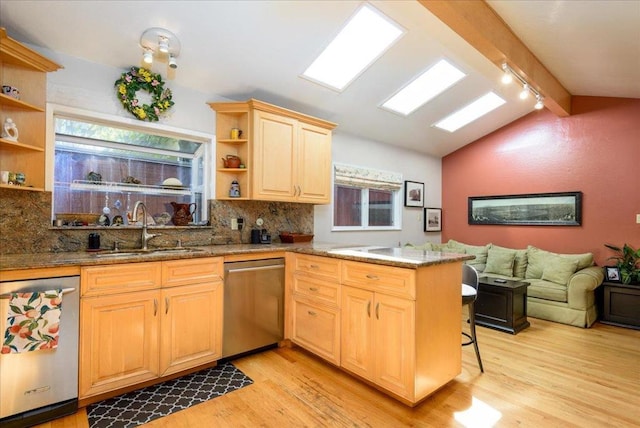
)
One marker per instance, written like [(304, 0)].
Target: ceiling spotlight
[(160, 45), (507, 77), (172, 62), (525, 92), (147, 57), (539, 104), (163, 44)]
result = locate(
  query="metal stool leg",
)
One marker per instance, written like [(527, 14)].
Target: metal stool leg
[(474, 340)]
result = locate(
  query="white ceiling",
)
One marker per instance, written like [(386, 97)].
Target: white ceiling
[(258, 49)]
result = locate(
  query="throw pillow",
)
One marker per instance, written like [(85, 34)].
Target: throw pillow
[(559, 269), (479, 251), (537, 260), (427, 246), (519, 263), (500, 262)]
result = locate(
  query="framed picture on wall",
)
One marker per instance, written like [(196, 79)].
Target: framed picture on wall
[(413, 194), (433, 219)]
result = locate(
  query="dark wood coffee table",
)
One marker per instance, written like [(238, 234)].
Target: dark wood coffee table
[(502, 306)]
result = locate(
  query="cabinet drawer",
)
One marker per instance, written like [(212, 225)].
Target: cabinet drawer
[(317, 289), (119, 278), (391, 280), (192, 271), (317, 329), (318, 266)]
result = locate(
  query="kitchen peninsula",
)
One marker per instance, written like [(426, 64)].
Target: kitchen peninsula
[(390, 316)]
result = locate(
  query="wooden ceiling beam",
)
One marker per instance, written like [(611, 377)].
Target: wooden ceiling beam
[(477, 23)]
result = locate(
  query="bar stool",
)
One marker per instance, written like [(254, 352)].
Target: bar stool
[(469, 296)]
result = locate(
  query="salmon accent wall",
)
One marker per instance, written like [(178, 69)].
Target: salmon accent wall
[(596, 150)]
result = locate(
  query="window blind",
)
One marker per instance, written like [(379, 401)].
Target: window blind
[(353, 176)]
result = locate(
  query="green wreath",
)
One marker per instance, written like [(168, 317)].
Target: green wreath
[(138, 79)]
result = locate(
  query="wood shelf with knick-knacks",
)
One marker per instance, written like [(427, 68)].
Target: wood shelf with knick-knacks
[(26, 70)]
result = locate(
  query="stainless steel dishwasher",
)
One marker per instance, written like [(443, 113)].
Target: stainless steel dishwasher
[(253, 305), (41, 385)]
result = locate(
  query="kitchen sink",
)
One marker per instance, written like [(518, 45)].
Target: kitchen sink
[(141, 252)]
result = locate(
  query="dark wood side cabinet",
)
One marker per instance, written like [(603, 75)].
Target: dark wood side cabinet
[(621, 305), (502, 305)]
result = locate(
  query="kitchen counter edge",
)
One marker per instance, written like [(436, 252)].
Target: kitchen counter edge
[(11, 262)]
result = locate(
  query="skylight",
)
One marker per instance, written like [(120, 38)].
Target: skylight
[(471, 112), (367, 35), (423, 88)]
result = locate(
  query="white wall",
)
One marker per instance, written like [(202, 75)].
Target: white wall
[(90, 86), (414, 166)]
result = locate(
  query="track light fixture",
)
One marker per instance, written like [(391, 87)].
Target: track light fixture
[(160, 44), (510, 74), (506, 77)]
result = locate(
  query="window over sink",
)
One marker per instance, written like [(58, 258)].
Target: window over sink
[(102, 168)]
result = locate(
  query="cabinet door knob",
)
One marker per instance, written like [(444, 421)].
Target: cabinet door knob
[(155, 307), (313, 289), (371, 276), (166, 304), (378, 310), (369, 308), (312, 313)]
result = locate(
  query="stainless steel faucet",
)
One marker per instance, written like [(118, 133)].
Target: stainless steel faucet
[(146, 236)]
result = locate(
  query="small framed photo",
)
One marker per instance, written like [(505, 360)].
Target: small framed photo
[(612, 274), (433, 219), (413, 194)]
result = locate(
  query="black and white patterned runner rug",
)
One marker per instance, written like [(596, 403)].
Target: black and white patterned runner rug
[(153, 402)]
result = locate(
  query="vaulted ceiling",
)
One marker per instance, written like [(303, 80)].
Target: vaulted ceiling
[(258, 49)]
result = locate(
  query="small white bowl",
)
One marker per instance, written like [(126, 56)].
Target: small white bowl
[(172, 182)]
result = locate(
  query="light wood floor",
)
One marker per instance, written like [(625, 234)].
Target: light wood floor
[(549, 375)]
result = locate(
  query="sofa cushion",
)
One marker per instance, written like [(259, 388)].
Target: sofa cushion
[(427, 246), (547, 290), (537, 259), (500, 262), (519, 263), (440, 247), (559, 269), (480, 251)]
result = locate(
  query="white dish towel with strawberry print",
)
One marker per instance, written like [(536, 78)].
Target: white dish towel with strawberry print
[(33, 321)]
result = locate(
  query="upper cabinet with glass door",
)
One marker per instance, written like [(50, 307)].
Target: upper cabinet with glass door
[(24, 73)]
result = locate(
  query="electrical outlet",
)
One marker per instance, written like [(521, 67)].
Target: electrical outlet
[(240, 222), (638, 218), (234, 224)]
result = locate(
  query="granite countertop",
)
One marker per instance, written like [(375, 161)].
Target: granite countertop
[(400, 257)]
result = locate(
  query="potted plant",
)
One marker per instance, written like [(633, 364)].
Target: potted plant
[(628, 261)]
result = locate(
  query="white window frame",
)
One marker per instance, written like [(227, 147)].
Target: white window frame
[(56, 110), (397, 207)]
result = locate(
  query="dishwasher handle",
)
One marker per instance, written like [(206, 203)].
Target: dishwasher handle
[(249, 269)]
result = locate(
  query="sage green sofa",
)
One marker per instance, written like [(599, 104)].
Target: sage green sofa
[(562, 286)]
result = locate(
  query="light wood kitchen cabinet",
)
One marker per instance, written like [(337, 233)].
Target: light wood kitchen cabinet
[(191, 326), (25, 70), (287, 155), (315, 305), (378, 338), (141, 321), (118, 341)]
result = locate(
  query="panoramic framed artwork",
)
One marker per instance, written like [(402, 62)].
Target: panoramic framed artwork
[(433, 219), (538, 209), (413, 194), (612, 274)]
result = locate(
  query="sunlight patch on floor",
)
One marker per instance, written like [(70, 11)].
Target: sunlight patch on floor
[(479, 415)]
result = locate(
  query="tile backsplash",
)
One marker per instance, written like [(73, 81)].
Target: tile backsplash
[(25, 225)]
